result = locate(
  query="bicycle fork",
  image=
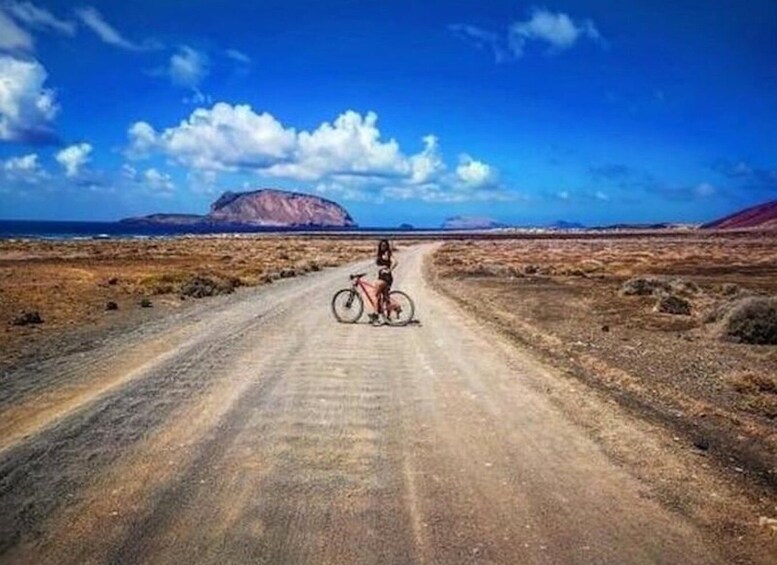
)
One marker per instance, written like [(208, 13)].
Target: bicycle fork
[(351, 298)]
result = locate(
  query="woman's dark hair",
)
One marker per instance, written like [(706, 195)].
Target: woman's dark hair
[(384, 247)]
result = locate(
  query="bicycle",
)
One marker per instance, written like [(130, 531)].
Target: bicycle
[(348, 305)]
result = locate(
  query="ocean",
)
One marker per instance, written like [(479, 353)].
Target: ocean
[(10, 229)]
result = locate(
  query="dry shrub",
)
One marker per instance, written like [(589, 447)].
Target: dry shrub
[(493, 270), (750, 382), (164, 282), (647, 286), (751, 320), (676, 305), (730, 289), (718, 311), (592, 266), (684, 287), (644, 286), (200, 286), (26, 318), (312, 266), (758, 391)]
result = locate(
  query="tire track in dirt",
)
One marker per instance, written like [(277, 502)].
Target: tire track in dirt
[(89, 439), (320, 442), (50, 468), (40, 410)]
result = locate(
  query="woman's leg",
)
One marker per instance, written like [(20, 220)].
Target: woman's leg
[(380, 290)]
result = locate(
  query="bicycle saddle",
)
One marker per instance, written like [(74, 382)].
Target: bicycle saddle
[(358, 275)]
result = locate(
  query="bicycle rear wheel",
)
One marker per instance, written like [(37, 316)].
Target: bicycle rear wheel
[(401, 309), (347, 306)]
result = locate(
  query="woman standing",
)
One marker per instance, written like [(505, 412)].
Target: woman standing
[(386, 265)]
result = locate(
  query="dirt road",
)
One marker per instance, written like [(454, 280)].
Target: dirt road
[(254, 428)]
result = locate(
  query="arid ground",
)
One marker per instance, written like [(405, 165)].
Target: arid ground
[(70, 283), (534, 413), (593, 305)]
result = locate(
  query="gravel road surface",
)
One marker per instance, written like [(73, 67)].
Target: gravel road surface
[(255, 429)]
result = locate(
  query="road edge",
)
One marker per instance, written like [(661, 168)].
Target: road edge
[(730, 519)]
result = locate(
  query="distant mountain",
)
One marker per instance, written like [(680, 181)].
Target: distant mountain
[(647, 227), (762, 216), (564, 225), (471, 223), (264, 208), (166, 219)]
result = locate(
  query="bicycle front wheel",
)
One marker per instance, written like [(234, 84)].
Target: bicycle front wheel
[(400, 309), (347, 306)]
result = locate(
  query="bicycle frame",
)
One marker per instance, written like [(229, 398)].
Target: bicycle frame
[(367, 290), (396, 306)]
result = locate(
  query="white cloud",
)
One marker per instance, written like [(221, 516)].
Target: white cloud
[(203, 181), (427, 164), (143, 139), (12, 37), (558, 30), (129, 172), (151, 178), (446, 191), (73, 158), (238, 56), (106, 32), (339, 190), (158, 181), (26, 107), (350, 146), (19, 164), (481, 38), (188, 67), (40, 18), (474, 173), (225, 138), (348, 156), (25, 168), (197, 97)]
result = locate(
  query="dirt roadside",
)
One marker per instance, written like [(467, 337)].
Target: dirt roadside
[(83, 288), (263, 431), (664, 371)]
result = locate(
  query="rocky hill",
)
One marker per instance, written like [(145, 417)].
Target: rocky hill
[(762, 216), (262, 208)]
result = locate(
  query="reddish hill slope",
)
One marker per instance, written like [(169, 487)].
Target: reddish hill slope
[(270, 207), (266, 207), (762, 216)]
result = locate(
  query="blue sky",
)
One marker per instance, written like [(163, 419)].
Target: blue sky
[(588, 111)]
